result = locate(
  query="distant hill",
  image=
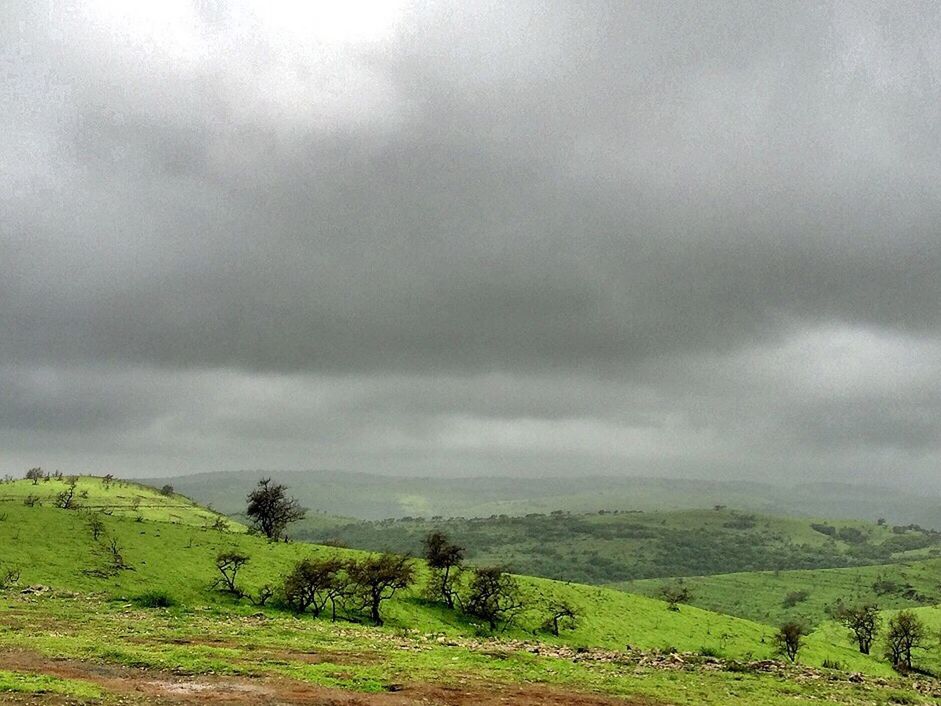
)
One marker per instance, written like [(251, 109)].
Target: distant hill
[(616, 546), (373, 497)]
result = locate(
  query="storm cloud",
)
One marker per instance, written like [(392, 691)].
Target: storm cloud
[(698, 239)]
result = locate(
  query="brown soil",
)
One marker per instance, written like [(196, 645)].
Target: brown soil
[(126, 685)]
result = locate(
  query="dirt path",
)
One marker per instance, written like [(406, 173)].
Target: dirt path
[(143, 686)]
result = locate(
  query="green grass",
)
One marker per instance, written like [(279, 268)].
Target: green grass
[(760, 596), (119, 498), (117, 619), (26, 683), (54, 547)]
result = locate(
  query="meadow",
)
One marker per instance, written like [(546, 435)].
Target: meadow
[(69, 631)]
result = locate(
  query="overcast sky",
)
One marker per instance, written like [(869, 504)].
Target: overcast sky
[(699, 239)]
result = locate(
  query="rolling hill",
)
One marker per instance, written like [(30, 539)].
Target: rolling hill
[(112, 643)]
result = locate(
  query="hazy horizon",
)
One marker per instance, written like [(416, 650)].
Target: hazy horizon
[(680, 239)]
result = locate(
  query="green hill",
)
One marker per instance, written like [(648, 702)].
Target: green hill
[(618, 546), (773, 596), (94, 616), (115, 497)]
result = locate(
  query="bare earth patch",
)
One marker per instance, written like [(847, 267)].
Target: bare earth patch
[(126, 685)]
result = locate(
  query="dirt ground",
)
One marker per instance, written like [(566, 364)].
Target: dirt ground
[(141, 686)]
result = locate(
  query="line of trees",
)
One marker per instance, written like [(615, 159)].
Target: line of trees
[(904, 633)]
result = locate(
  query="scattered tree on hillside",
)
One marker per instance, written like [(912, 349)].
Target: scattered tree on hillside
[(562, 615), (9, 576), (271, 510), (66, 499), (376, 578), (674, 594), (494, 596), (862, 620), (313, 583), (167, 490), (790, 638), (95, 525), (35, 475), (106, 480), (444, 558), (904, 633), (229, 564)]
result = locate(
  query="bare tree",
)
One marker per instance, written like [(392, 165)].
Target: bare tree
[(271, 510), (790, 638), (95, 525), (494, 596), (229, 564), (561, 615), (376, 578), (862, 620), (905, 632), (444, 558)]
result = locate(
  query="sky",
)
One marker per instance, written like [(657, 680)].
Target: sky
[(697, 239)]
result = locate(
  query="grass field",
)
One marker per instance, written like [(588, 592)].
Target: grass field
[(621, 646), (763, 596)]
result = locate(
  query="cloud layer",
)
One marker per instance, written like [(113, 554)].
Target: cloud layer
[(698, 239)]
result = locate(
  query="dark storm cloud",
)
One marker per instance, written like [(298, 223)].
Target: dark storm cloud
[(593, 230)]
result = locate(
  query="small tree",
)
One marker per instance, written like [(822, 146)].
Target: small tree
[(229, 564), (674, 594), (9, 577), (561, 615), (494, 596), (862, 620), (904, 633), (790, 638), (95, 525), (376, 579), (444, 558), (271, 510), (313, 583), (35, 475), (66, 499), (167, 490)]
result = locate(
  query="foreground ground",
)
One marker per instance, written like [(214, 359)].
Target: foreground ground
[(72, 649)]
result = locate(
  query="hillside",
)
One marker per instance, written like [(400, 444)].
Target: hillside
[(116, 497), (771, 597), (612, 546), (374, 497), (111, 648)]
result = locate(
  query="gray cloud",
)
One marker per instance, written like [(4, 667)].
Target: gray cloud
[(564, 237)]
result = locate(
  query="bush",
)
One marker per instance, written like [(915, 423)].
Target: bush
[(795, 597)]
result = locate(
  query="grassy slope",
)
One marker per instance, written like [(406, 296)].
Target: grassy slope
[(119, 497), (53, 547), (760, 596), (604, 548)]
